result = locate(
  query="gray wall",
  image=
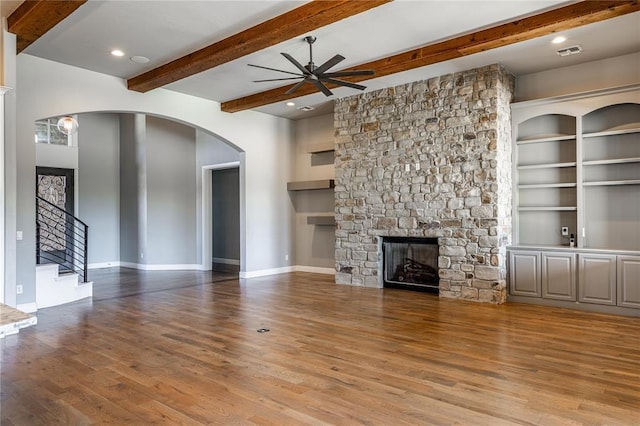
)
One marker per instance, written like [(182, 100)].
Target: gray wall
[(99, 184), (129, 128), (171, 193), (314, 245), (225, 189)]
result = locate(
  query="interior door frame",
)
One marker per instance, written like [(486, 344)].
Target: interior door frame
[(207, 220)]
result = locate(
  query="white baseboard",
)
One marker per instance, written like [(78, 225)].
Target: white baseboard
[(226, 261), (28, 307), (314, 269), (265, 272), (170, 267), (287, 269), (100, 265), (196, 267)]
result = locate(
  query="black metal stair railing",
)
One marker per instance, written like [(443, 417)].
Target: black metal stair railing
[(61, 238)]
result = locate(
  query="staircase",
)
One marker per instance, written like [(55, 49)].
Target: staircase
[(61, 256)]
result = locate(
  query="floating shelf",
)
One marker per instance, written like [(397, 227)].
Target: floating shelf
[(311, 184), (321, 220), (320, 147)]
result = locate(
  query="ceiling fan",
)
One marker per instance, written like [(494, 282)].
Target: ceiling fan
[(317, 75)]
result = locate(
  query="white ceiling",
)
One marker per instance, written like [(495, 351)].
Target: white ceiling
[(166, 30)]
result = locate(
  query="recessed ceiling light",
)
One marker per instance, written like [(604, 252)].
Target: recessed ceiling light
[(306, 108), (559, 39), (291, 103), (139, 59), (117, 52)]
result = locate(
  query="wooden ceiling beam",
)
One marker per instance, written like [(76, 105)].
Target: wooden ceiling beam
[(307, 17), (560, 19), (33, 18)]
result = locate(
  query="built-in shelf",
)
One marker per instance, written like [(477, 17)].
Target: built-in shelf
[(547, 166), (321, 220), (546, 138), (320, 147), (310, 184), (612, 161), (613, 182), (547, 209), (621, 130), (548, 185)]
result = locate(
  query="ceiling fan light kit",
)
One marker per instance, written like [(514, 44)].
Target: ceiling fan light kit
[(316, 75)]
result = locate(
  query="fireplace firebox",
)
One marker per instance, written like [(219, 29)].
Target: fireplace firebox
[(410, 263)]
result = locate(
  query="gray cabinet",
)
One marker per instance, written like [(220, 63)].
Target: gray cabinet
[(629, 281), (559, 276), (524, 274), (597, 277)]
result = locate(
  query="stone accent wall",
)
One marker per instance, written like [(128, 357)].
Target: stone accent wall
[(428, 159)]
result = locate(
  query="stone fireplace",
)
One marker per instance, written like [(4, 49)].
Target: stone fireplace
[(430, 159)]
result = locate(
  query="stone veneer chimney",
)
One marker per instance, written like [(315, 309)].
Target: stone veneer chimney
[(428, 159)]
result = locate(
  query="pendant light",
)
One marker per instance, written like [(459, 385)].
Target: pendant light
[(68, 125)]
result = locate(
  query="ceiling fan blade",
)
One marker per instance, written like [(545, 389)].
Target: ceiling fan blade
[(344, 83), (278, 79), (274, 69), (324, 89), (348, 73), (330, 63), (294, 88), (296, 63)]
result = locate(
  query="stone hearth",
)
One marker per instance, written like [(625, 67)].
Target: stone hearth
[(428, 159)]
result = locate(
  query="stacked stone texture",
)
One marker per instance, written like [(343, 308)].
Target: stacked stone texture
[(428, 159)]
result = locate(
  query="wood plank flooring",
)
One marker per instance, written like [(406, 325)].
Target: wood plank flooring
[(187, 351)]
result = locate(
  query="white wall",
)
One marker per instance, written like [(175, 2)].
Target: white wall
[(612, 72), (51, 89)]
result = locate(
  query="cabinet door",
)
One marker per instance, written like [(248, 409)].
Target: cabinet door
[(597, 279), (559, 276), (629, 281), (524, 274)]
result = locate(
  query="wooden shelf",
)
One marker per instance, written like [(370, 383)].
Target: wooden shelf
[(320, 147), (546, 138), (321, 220), (310, 185), (547, 166)]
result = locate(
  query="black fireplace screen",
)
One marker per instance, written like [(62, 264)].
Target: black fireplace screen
[(410, 262)]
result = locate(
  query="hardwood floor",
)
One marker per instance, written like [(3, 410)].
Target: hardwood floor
[(187, 351)]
